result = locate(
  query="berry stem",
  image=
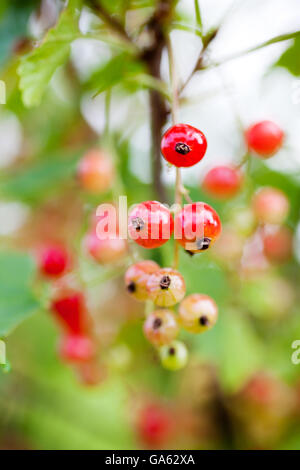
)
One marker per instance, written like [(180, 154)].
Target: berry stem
[(174, 112)]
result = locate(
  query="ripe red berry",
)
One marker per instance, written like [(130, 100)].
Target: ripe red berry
[(198, 313), (166, 287), (136, 278), (106, 250), (278, 244), (222, 182), (155, 425), (95, 172), (77, 348), (53, 260), (197, 226), (264, 138), (70, 310), (161, 327), (270, 205), (150, 224), (183, 145)]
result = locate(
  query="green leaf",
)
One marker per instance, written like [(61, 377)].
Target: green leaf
[(290, 59), (37, 68), (17, 300)]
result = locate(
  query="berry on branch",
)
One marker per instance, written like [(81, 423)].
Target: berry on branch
[(198, 313), (166, 287), (264, 138), (161, 327), (173, 356), (222, 182), (183, 145), (136, 278)]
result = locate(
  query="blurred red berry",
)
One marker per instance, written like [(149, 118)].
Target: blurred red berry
[(95, 172), (69, 308), (270, 205), (222, 182), (76, 348), (197, 226), (278, 244), (155, 426), (150, 224), (264, 138), (53, 260), (183, 145), (106, 250)]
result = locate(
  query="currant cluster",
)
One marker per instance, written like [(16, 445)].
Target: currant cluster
[(196, 226)]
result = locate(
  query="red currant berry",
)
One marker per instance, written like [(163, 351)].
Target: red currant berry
[(270, 206), (278, 244), (197, 226), (53, 260), (106, 250), (150, 224), (198, 313), (222, 182), (161, 327), (166, 287), (155, 425), (95, 172), (173, 356), (70, 309), (183, 145), (77, 348), (264, 138), (136, 278)]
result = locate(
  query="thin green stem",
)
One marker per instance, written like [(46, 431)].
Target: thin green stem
[(198, 16)]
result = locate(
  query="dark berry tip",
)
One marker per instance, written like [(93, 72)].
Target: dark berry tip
[(203, 321), (138, 223), (165, 282), (131, 287), (191, 253), (203, 243), (182, 148), (157, 323), (172, 351)]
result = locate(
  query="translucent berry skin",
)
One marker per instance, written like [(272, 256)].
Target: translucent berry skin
[(136, 278), (278, 245), (166, 287), (264, 138), (95, 172), (198, 313), (76, 348), (270, 205), (161, 327), (183, 145), (69, 308), (150, 224), (173, 356), (53, 261), (197, 227), (105, 251), (222, 182), (154, 425)]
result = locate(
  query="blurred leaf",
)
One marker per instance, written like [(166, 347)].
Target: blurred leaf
[(17, 301), (37, 68), (37, 181), (290, 59)]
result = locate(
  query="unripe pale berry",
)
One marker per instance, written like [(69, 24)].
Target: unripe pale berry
[(77, 348), (173, 356), (198, 313), (106, 250), (222, 182), (95, 172), (53, 260), (183, 145), (166, 287), (161, 327), (270, 205), (136, 278), (264, 138), (150, 224), (197, 226), (278, 244)]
